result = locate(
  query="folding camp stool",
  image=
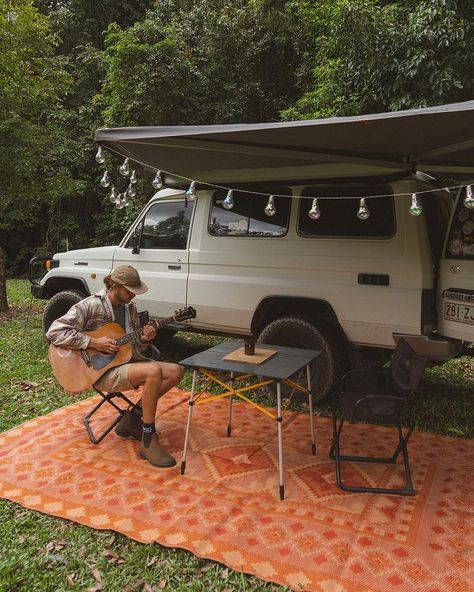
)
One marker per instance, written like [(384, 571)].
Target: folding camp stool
[(107, 398)]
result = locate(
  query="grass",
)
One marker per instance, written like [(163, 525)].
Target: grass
[(42, 553)]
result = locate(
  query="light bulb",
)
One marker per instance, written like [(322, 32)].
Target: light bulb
[(105, 181), (469, 199), (100, 156), (363, 211), (133, 177), (131, 190), (114, 195), (121, 202), (415, 208), (157, 182), (270, 209), (125, 168), (228, 202), (191, 191), (314, 213)]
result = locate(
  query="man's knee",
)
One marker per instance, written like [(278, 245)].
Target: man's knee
[(154, 372), (176, 373)]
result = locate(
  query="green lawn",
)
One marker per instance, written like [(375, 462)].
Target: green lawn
[(41, 553)]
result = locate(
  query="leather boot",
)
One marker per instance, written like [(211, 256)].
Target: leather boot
[(130, 426), (155, 454)]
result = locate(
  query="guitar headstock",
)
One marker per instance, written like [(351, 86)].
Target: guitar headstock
[(184, 314)]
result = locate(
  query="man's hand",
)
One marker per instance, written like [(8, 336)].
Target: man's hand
[(149, 333), (107, 345)]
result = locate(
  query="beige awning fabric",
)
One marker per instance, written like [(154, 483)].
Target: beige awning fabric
[(435, 140)]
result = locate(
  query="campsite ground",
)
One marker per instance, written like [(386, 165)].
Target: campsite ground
[(42, 553)]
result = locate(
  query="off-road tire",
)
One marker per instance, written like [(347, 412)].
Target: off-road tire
[(316, 334), (59, 304)]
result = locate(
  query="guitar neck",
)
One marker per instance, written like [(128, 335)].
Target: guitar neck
[(134, 336)]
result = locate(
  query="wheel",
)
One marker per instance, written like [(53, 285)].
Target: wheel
[(319, 335), (165, 335), (59, 304)]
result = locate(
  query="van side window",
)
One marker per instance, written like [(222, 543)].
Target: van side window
[(247, 217), (165, 226), (339, 216)]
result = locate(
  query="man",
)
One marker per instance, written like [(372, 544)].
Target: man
[(114, 304)]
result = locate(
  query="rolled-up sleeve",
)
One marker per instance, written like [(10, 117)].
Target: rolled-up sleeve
[(66, 331)]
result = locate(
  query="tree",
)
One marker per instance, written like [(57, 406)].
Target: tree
[(374, 56), (210, 61), (31, 83)]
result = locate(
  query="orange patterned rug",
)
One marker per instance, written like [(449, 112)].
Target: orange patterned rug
[(226, 506)]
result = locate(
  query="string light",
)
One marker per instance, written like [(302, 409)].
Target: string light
[(363, 211), (125, 168), (469, 199), (228, 202), (157, 183), (100, 156), (415, 208), (314, 213), (270, 209), (191, 191), (105, 181), (131, 190), (114, 196)]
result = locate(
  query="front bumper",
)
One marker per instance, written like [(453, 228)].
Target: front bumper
[(38, 291)]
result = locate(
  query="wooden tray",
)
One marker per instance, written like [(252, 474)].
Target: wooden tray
[(260, 355)]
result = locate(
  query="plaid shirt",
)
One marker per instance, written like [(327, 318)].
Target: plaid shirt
[(87, 315)]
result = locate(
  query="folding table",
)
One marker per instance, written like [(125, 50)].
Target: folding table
[(278, 369)]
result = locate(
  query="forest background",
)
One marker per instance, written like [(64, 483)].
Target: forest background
[(68, 67)]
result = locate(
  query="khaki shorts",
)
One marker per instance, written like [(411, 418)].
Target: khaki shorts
[(115, 379)]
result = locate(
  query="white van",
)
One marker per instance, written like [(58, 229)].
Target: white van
[(339, 284)]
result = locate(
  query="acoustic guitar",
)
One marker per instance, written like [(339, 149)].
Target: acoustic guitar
[(77, 370)]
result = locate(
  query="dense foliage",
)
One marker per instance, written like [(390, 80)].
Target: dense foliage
[(70, 66)]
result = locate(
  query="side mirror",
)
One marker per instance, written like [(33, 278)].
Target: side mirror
[(134, 242)]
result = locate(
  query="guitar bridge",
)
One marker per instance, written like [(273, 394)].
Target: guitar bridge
[(86, 358)]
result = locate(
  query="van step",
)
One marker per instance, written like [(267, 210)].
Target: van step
[(432, 347)]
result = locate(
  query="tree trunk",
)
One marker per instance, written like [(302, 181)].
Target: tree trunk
[(3, 282)]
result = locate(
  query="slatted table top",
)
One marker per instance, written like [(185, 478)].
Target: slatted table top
[(284, 364)]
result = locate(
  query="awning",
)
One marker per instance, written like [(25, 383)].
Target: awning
[(435, 140)]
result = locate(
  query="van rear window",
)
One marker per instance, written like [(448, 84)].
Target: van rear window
[(461, 235), (339, 215), (247, 217)]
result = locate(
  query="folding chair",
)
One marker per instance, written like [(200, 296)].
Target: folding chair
[(154, 354), (381, 397)]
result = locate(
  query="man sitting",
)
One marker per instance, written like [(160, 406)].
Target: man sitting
[(114, 304)]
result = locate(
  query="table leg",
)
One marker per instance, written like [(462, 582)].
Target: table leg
[(229, 423), (188, 424), (280, 442), (310, 404)]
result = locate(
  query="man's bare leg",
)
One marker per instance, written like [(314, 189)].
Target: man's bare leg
[(156, 378)]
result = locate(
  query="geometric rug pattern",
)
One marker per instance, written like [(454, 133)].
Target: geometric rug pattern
[(226, 507)]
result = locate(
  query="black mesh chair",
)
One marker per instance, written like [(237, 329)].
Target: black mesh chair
[(120, 402), (381, 397)]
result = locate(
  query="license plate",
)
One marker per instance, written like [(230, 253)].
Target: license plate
[(460, 313)]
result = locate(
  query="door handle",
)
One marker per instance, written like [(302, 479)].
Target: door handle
[(174, 267)]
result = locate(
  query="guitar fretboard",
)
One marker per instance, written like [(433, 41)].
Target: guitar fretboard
[(134, 336)]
